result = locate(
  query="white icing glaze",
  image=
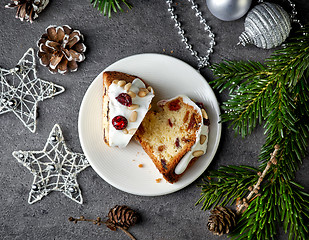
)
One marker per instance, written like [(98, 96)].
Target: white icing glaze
[(203, 130), (116, 137)]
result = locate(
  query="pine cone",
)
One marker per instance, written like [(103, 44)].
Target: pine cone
[(60, 48), (221, 221), (123, 216), (28, 9)]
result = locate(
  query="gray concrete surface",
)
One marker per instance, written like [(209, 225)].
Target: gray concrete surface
[(147, 28)]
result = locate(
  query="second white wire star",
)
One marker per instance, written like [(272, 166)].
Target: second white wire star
[(55, 168)]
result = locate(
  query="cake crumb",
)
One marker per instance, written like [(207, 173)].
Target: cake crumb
[(140, 165), (158, 180)]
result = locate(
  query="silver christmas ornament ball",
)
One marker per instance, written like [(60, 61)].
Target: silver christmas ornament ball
[(228, 10), (267, 25)]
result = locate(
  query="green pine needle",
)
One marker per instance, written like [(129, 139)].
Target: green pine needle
[(275, 95), (226, 184), (106, 6)]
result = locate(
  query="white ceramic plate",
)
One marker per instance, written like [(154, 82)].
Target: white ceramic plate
[(120, 167)]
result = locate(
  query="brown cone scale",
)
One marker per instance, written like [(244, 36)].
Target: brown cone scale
[(123, 216), (221, 220), (27, 10), (61, 48)]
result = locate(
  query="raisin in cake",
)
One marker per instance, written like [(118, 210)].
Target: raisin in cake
[(176, 136), (126, 100)]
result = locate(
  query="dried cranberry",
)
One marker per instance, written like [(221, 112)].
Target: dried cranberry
[(161, 148), (200, 105), (120, 122), (185, 119), (177, 143), (164, 164), (124, 99), (192, 123), (185, 140), (174, 105), (206, 121), (170, 123)]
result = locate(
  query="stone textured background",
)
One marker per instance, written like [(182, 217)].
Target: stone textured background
[(147, 28)]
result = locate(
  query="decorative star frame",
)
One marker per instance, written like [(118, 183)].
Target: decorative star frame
[(21, 90), (55, 168)]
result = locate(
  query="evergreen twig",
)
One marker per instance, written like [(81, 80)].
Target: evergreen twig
[(276, 95), (242, 205), (226, 185), (99, 222), (106, 6)]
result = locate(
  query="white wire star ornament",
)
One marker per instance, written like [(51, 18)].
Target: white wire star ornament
[(55, 168), (21, 90)]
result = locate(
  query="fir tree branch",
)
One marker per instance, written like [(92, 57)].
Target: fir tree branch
[(238, 71), (106, 6), (260, 219), (263, 92), (278, 95), (296, 137), (247, 106), (293, 59), (279, 201), (242, 205), (226, 185), (295, 216), (249, 84)]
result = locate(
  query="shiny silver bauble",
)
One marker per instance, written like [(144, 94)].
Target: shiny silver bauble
[(267, 26), (228, 10)]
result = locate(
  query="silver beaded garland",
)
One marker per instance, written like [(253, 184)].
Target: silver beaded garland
[(203, 61), (294, 13)]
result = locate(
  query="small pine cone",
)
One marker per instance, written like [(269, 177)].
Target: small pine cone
[(123, 216), (28, 9), (221, 221), (60, 48)]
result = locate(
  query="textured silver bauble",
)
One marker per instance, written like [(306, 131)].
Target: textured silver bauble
[(267, 25), (228, 10)]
